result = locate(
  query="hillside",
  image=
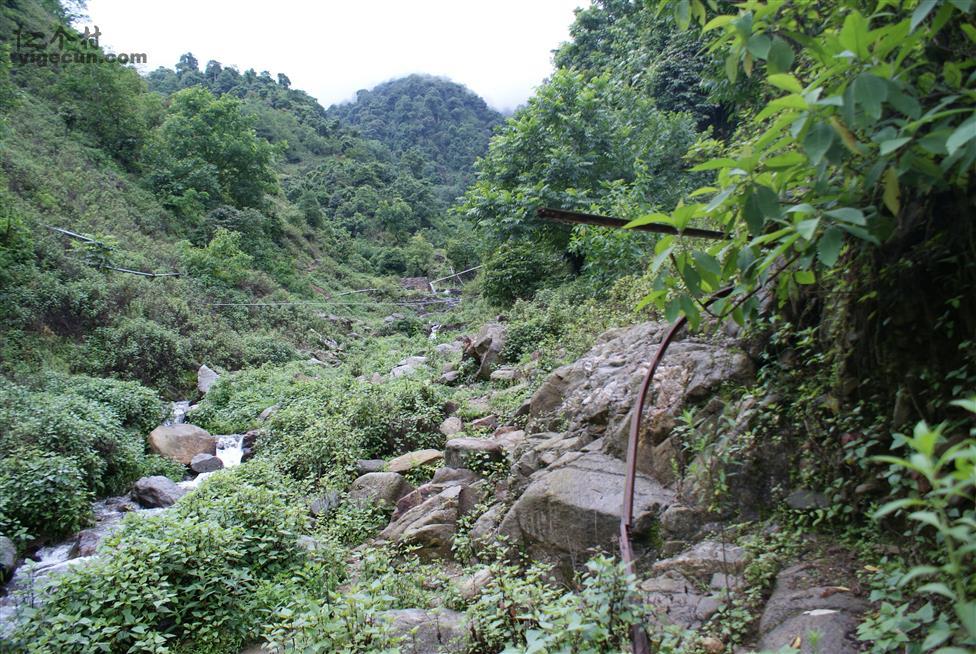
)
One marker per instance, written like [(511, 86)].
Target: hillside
[(444, 122), (229, 425)]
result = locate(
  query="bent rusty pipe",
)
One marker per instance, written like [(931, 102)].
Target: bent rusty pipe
[(638, 636)]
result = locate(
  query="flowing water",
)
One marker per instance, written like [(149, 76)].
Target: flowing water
[(47, 562)]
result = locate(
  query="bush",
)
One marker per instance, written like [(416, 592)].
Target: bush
[(195, 578), (259, 350), (141, 350), (518, 270), (137, 407), (42, 495)]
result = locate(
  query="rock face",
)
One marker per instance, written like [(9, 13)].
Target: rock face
[(485, 348), (427, 632), (205, 379), (182, 442), (802, 604), (430, 525), (155, 492), (379, 487), (572, 508), (596, 392), (412, 460), (205, 463)]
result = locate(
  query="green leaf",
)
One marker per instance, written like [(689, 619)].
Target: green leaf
[(807, 228), (818, 140), (937, 588), (854, 34), (967, 616), (752, 213), (869, 92), (780, 57), (768, 202), (848, 215), (889, 146), (963, 135), (785, 160), (758, 46), (682, 14), (713, 164), (805, 277), (786, 82), (892, 191), (921, 12)]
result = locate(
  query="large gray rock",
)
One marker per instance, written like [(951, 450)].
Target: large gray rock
[(704, 560), (205, 463), (182, 442), (676, 600), (206, 378), (8, 557), (436, 631), (430, 525), (595, 394), (485, 348), (811, 598), (156, 492), (379, 487), (572, 508), (408, 366)]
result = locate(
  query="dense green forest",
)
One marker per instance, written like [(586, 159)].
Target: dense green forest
[(442, 470)]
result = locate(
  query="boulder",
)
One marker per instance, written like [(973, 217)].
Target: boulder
[(485, 348), (408, 366), (370, 465), (182, 442), (806, 500), (675, 600), (206, 378), (449, 377), (470, 452), (156, 492), (86, 543), (504, 375), (451, 426), (429, 526), (426, 631), (379, 487), (812, 598), (8, 557), (572, 508), (704, 560), (510, 441), (268, 412), (470, 587), (593, 397), (487, 422), (205, 463), (414, 459)]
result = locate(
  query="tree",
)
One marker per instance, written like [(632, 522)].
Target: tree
[(206, 153)]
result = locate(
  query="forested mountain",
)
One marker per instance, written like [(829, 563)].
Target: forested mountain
[(444, 122), (756, 437)]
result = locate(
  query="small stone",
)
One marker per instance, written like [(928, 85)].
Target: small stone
[(267, 413), (8, 557), (370, 465), (451, 426), (712, 645), (324, 504), (415, 459), (505, 375), (470, 587), (449, 378), (205, 463), (156, 492), (806, 500)]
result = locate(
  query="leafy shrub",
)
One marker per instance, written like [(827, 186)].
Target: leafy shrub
[(42, 495), (517, 270), (136, 406), (142, 350), (523, 614), (348, 622), (192, 579), (259, 350)]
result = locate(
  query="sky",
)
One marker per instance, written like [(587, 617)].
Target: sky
[(500, 49)]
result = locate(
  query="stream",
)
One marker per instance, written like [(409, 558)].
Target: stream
[(80, 548)]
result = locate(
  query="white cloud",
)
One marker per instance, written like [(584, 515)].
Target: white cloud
[(501, 49)]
